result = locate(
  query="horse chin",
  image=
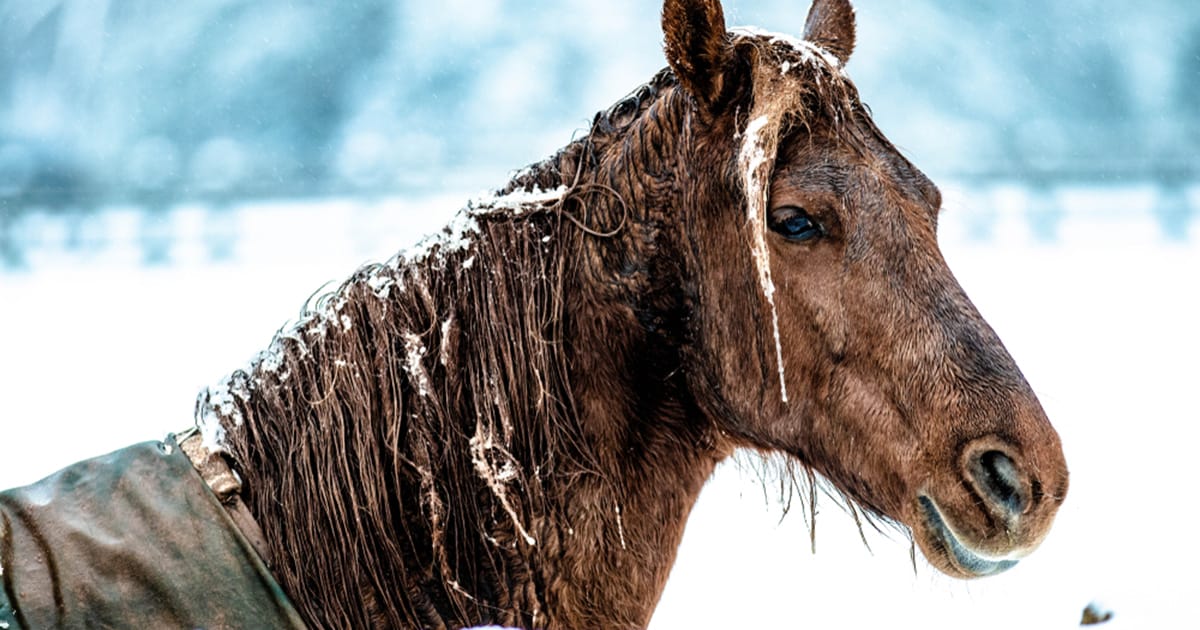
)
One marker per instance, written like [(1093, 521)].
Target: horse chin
[(947, 550)]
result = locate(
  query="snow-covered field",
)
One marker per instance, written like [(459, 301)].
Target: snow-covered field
[(99, 352)]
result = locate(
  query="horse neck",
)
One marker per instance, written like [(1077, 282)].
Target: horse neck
[(624, 321), (612, 456)]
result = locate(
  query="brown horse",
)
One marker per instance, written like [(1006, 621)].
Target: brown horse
[(511, 422)]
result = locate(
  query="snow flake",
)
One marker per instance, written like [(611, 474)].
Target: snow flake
[(810, 53), (620, 526), (482, 445), (381, 284), (460, 233), (220, 404), (447, 340), (518, 201), (414, 353), (456, 236), (271, 359)]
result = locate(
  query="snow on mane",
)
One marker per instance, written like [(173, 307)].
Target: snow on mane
[(414, 353), (458, 234), (455, 236), (809, 52), (218, 401), (517, 201)]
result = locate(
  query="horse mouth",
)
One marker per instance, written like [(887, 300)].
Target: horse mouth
[(970, 563)]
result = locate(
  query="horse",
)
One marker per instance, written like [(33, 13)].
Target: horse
[(510, 422)]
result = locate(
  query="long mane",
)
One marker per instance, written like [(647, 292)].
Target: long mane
[(418, 424), (415, 413)]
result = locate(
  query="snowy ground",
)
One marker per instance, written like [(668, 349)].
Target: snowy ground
[(100, 352)]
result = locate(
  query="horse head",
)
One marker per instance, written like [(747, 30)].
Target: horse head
[(827, 324)]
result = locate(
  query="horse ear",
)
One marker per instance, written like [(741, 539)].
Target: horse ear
[(697, 46), (830, 25)]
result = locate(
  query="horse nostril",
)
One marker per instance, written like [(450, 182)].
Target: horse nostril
[(1000, 479)]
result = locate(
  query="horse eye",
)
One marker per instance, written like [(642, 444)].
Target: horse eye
[(796, 224)]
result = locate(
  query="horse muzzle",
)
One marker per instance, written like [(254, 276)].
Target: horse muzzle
[(950, 548), (995, 515)]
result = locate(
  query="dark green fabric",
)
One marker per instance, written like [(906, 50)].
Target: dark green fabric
[(133, 539)]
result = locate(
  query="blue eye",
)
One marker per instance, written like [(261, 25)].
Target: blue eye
[(797, 225)]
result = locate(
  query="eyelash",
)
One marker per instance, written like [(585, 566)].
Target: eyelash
[(798, 225)]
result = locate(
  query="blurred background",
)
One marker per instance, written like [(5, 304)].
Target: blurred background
[(177, 177), (149, 106)]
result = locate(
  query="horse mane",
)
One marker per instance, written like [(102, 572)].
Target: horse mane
[(415, 425), (408, 408)]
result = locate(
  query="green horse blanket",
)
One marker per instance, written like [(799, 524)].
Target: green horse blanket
[(132, 539)]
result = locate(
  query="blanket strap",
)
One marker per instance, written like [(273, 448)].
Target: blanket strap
[(226, 484)]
